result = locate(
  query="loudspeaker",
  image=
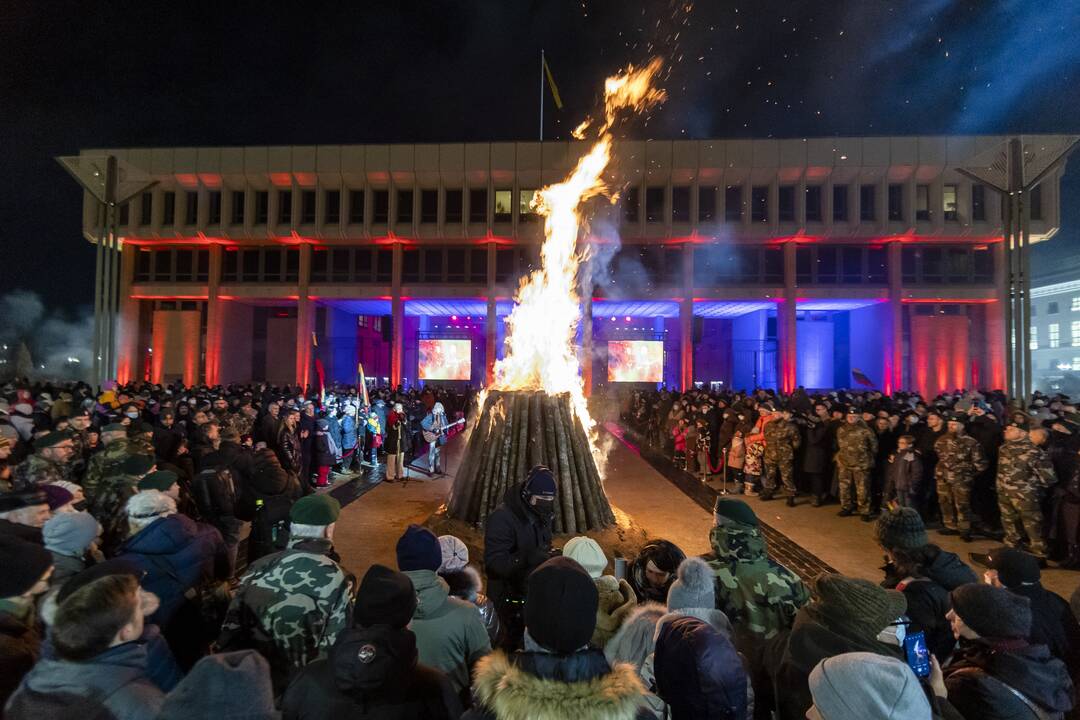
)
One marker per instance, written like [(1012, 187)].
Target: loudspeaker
[(387, 328)]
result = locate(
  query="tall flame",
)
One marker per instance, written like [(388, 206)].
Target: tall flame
[(541, 329)]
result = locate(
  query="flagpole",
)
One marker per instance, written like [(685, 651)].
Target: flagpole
[(541, 94)]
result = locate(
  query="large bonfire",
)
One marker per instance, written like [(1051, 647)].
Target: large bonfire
[(535, 411)]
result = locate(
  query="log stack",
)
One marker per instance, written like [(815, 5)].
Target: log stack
[(515, 431)]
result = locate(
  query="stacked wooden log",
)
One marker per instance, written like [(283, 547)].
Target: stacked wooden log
[(515, 431)]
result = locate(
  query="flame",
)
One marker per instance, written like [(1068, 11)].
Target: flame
[(542, 327)]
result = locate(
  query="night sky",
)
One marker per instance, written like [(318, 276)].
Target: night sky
[(100, 74)]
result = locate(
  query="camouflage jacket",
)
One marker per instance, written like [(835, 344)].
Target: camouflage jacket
[(140, 445), (759, 595), (781, 439), (959, 455), (1023, 467), (37, 470), (107, 507), (106, 462), (857, 446), (291, 606)]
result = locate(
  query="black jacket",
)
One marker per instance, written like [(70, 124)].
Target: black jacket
[(516, 540), (1053, 624), (698, 672), (979, 667), (928, 598), (371, 673), (817, 447)]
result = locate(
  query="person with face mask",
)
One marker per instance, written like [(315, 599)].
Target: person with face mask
[(517, 539)]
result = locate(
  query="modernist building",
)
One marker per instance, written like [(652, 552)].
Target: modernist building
[(758, 262), (1055, 327)]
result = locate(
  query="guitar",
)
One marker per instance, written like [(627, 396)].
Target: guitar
[(433, 435)]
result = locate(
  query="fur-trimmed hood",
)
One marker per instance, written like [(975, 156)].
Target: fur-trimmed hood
[(537, 686)]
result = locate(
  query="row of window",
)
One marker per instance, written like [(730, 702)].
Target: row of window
[(1052, 307), (172, 265), (650, 202), (1053, 335)]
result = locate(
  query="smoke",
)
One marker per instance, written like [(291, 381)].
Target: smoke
[(60, 344)]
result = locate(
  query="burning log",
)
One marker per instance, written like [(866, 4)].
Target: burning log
[(515, 431)]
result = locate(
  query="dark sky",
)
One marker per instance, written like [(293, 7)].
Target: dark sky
[(103, 74)]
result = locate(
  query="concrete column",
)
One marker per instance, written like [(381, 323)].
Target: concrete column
[(127, 344), (587, 345), (397, 320), (491, 325), (686, 321), (215, 322), (894, 345), (997, 341), (305, 318), (785, 324)]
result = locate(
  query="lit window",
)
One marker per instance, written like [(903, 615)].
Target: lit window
[(1034, 344), (1053, 335), (504, 207), (948, 203), (1074, 330), (525, 199), (1075, 304)]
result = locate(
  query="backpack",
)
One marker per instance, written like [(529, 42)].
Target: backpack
[(269, 527)]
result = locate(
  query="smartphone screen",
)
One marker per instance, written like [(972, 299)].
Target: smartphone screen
[(918, 655)]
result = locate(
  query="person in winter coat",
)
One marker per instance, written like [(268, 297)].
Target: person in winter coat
[(558, 675), (224, 685), (616, 597), (397, 442), (996, 674), (100, 668), (517, 539), (325, 453), (904, 474), (27, 568), (288, 444), (817, 453), (464, 583), (866, 686), (856, 449), (69, 536), (1052, 621), (350, 457), (634, 643), (924, 573), (651, 573), (698, 672), (373, 669), (449, 634), (176, 553), (760, 596), (846, 615)]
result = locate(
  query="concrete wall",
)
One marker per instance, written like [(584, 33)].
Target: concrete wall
[(749, 356), (237, 341), (869, 326), (281, 350), (176, 346), (340, 351), (940, 353), (815, 345)]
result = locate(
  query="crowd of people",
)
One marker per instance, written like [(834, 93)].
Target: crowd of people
[(167, 553), (969, 463)]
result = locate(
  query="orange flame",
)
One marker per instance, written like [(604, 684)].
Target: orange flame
[(541, 329)]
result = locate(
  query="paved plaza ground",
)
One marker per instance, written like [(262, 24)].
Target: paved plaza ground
[(806, 538)]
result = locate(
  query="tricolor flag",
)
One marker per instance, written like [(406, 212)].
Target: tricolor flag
[(861, 378), (320, 372), (361, 383)]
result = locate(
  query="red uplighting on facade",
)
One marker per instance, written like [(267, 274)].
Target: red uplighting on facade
[(948, 301)]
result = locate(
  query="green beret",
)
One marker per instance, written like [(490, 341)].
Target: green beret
[(136, 464), (114, 427), (735, 510), (315, 510), (52, 438), (158, 480)]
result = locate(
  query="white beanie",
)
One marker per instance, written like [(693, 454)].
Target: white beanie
[(455, 555), (147, 506), (866, 686), (587, 553)]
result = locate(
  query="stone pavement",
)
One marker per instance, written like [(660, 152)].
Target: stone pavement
[(668, 503)]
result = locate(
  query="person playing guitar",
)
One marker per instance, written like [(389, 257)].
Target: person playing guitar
[(434, 428)]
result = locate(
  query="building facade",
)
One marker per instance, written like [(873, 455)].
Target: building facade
[(772, 263), (1055, 328)]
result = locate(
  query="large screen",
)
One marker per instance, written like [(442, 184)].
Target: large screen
[(635, 360), (445, 359)]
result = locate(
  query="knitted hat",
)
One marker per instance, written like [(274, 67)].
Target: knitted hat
[(587, 553), (540, 481), (901, 528), (866, 686), (315, 510), (992, 612), (112, 566), (136, 464), (418, 549), (455, 554), (57, 496), (385, 597), (25, 564), (858, 603), (734, 510), (230, 686), (22, 499), (560, 605), (70, 533), (1014, 567), (694, 586), (158, 480), (51, 439)]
